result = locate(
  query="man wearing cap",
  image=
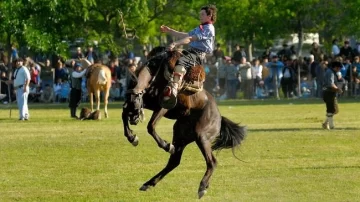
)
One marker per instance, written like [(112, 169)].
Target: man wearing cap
[(275, 74), (75, 93), (329, 94), (21, 81)]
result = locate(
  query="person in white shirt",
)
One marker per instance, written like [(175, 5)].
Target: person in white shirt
[(257, 69), (245, 72), (57, 89), (21, 81), (335, 50)]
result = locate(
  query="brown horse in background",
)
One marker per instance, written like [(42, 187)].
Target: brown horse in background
[(98, 78)]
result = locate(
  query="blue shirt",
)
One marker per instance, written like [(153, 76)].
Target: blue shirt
[(275, 67), (206, 38), (329, 78)]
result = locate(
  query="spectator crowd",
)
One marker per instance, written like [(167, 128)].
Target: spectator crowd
[(281, 73), (273, 74), (50, 79)]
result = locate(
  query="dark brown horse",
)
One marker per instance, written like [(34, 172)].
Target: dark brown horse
[(197, 117)]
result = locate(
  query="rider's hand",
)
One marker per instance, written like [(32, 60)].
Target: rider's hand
[(339, 91), (164, 29), (171, 46)]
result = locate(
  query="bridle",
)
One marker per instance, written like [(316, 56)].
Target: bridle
[(162, 54), (136, 97)]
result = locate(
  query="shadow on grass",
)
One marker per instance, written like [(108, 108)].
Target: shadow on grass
[(283, 101), (299, 129), (254, 102), (325, 167)]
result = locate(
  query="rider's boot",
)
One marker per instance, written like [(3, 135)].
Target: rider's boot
[(171, 90)]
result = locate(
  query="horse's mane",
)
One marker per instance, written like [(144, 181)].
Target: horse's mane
[(160, 52)]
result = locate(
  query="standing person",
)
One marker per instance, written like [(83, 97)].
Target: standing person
[(91, 56), (14, 54), (221, 74), (232, 81), (218, 53), (275, 74), (329, 95), (79, 54), (257, 69), (335, 50), (316, 52), (75, 93), (201, 41), (288, 79), (245, 72), (21, 81), (238, 54)]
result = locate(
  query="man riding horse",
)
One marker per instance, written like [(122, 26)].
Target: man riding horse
[(201, 41)]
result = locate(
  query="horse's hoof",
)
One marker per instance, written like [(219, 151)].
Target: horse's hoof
[(144, 188), (135, 142), (202, 193), (171, 149)]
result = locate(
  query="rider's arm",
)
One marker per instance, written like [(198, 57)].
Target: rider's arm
[(177, 33), (78, 74), (185, 40)]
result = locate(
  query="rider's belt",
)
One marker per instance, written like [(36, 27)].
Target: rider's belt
[(198, 52), (17, 87), (328, 89)]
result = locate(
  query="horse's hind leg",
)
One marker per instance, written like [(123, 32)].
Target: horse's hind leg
[(205, 146), (91, 96), (173, 162), (106, 97), (97, 98)]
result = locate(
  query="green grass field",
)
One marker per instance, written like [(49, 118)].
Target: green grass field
[(286, 156)]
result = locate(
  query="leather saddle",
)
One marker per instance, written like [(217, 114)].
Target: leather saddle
[(194, 78)]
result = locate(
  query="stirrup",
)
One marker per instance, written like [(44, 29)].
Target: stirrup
[(169, 98)]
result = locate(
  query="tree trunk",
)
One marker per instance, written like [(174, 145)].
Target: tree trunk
[(8, 48), (229, 48), (301, 37), (300, 45), (250, 47)]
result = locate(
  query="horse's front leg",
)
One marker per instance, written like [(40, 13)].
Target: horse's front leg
[(132, 138), (155, 117)]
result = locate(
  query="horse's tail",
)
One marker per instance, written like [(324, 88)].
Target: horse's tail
[(231, 135), (102, 77)]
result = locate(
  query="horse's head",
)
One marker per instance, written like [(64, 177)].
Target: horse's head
[(150, 80)]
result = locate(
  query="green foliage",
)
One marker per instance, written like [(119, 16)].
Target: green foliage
[(42, 25)]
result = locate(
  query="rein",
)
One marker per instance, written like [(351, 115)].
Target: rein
[(135, 78), (137, 96)]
